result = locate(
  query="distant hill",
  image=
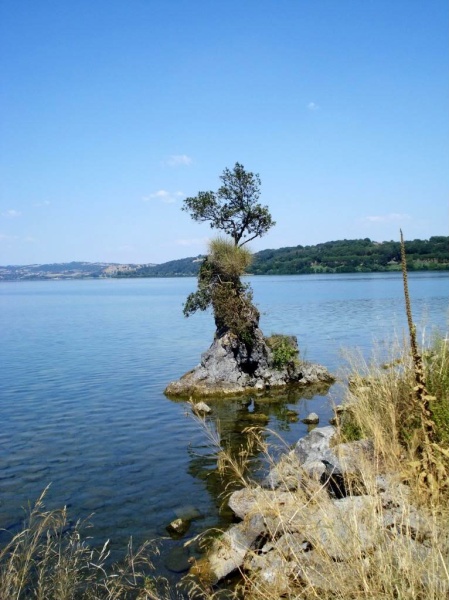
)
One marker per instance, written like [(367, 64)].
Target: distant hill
[(351, 256), (343, 256), (184, 267), (71, 270)]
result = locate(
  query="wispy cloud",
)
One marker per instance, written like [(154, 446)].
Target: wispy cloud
[(179, 160), (11, 214), (164, 196), (7, 238), (44, 203), (313, 106), (387, 218)]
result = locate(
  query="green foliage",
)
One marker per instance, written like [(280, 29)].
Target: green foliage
[(284, 352), (219, 286), (350, 256), (350, 430), (436, 364), (233, 209)]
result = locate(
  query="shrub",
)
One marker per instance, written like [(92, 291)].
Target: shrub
[(284, 350)]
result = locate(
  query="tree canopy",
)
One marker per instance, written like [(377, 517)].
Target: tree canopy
[(233, 208)]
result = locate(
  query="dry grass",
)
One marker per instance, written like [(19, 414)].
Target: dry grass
[(229, 259), (49, 560), (391, 541), (381, 406)]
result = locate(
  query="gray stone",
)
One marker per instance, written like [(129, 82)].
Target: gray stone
[(258, 501), (315, 469), (408, 521), (272, 572), (315, 445), (285, 475), (201, 408), (311, 419), (228, 367), (229, 551)]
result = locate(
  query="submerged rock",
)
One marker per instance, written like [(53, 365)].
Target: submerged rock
[(231, 367), (178, 527), (201, 408)]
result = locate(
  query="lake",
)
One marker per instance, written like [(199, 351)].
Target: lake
[(84, 365)]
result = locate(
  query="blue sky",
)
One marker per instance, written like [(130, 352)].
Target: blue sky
[(113, 111)]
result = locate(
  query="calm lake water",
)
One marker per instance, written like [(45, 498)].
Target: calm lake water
[(84, 365)]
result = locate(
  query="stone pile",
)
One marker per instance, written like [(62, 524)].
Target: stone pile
[(315, 521)]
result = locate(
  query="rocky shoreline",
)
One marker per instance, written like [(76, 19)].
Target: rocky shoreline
[(319, 520)]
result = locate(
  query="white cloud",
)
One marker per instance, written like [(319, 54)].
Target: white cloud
[(12, 214), (177, 160), (7, 238), (44, 203), (164, 196), (313, 106), (387, 218)]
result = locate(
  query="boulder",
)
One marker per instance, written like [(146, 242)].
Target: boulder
[(229, 551)]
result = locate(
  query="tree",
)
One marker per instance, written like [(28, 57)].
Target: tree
[(233, 208)]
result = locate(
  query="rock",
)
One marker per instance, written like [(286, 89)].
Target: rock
[(335, 578), (272, 571), (289, 537), (257, 501), (177, 560), (229, 367), (178, 527), (201, 408), (311, 419), (286, 475), (315, 469), (315, 445), (345, 520), (229, 551)]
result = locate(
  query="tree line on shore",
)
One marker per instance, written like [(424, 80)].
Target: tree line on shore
[(341, 256)]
